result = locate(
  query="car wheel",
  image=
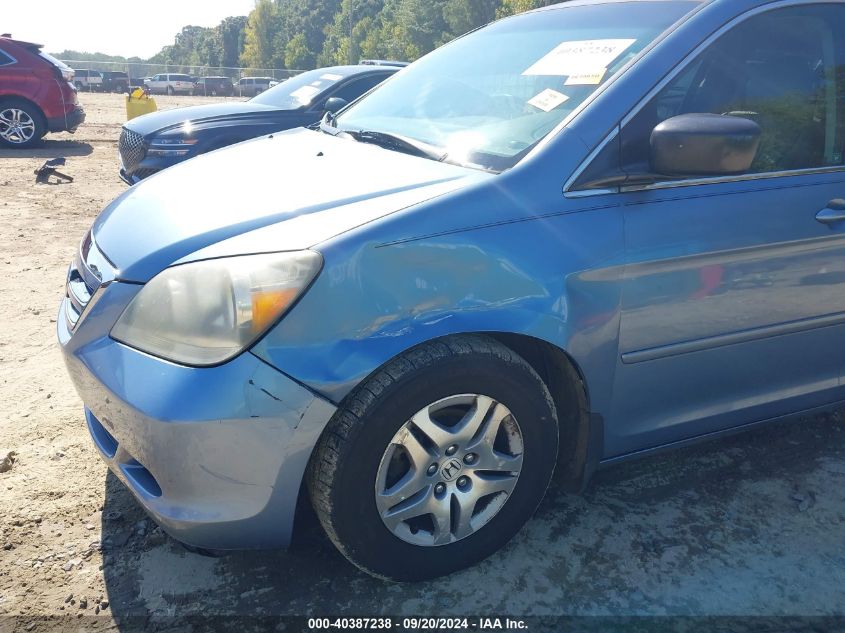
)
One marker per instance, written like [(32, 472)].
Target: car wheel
[(21, 124), (77, 85), (435, 461)]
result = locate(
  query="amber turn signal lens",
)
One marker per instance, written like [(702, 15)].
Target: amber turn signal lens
[(267, 305)]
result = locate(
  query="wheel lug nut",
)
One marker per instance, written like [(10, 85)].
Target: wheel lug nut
[(463, 482), (470, 459), (432, 469), (439, 489), (452, 450)]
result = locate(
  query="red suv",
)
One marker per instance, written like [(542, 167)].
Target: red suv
[(36, 95)]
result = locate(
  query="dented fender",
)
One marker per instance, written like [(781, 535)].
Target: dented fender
[(497, 266)]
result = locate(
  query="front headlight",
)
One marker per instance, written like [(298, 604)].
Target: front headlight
[(207, 312)]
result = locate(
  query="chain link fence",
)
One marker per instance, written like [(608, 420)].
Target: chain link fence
[(138, 72)]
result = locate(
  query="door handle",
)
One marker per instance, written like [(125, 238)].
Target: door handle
[(834, 212)]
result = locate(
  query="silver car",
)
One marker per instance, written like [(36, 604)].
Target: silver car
[(169, 83)]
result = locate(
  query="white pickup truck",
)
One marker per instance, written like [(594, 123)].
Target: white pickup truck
[(88, 80)]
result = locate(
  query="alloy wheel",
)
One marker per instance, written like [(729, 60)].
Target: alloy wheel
[(16, 126), (449, 470)]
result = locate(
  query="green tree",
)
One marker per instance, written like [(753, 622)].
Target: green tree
[(231, 32), (512, 7), (297, 55), (260, 36), (312, 19), (463, 16), (361, 18)]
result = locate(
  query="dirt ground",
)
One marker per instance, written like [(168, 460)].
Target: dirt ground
[(751, 525)]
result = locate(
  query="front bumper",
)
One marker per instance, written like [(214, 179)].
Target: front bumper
[(149, 166), (215, 455)]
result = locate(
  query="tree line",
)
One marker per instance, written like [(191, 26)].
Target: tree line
[(304, 34), (301, 34)]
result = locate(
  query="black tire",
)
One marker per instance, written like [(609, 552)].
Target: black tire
[(342, 472), (40, 125)]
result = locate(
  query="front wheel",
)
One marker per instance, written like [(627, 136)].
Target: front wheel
[(21, 124), (435, 461)]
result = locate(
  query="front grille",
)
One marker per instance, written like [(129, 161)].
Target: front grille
[(131, 148), (86, 275), (78, 295)]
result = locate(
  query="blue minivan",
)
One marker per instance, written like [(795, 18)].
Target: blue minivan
[(572, 237)]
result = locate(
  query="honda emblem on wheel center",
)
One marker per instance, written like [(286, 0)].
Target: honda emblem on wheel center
[(451, 469)]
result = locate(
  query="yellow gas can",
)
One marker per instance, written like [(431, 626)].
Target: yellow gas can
[(138, 103)]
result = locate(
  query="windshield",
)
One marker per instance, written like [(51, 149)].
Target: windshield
[(299, 91), (489, 97)]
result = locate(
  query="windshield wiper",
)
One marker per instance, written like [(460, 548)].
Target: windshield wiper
[(396, 142), (328, 125)]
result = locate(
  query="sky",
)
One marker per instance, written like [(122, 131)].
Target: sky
[(113, 27)]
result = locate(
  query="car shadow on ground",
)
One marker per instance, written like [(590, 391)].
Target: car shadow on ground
[(750, 524), (49, 149)]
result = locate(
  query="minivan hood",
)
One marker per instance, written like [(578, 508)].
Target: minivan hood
[(165, 119), (286, 191)]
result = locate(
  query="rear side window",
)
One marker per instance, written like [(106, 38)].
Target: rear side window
[(6, 59)]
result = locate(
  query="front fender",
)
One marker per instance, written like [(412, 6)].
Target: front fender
[(554, 278)]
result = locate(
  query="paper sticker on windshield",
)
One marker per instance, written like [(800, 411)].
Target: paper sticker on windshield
[(586, 79), (331, 77), (579, 58), (548, 100), (304, 94)]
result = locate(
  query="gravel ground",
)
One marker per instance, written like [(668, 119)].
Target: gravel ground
[(751, 525)]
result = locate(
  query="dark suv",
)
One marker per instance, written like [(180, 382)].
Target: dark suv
[(214, 86), (36, 95), (115, 81)]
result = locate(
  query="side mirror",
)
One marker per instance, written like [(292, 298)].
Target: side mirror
[(704, 145), (335, 105)]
